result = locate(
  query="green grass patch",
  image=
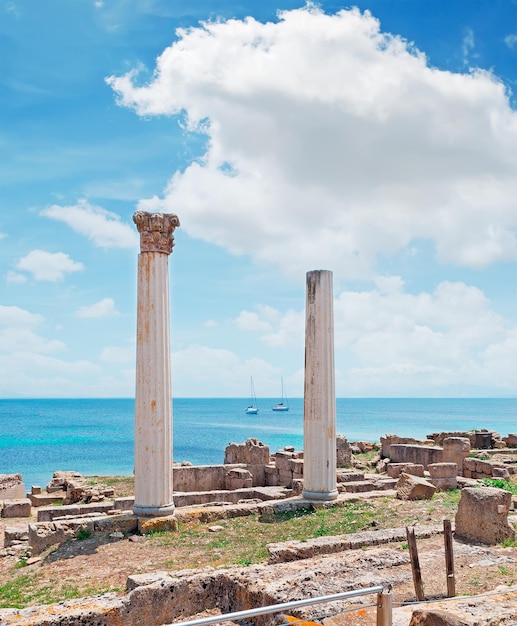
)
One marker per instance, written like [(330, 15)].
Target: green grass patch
[(244, 539), (122, 485), (499, 483), (83, 533), (23, 591)]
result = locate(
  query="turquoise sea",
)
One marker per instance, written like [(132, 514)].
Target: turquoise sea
[(38, 437)]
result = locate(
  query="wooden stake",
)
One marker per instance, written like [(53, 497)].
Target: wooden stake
[(415, 564), (385, 608), (449, 558)]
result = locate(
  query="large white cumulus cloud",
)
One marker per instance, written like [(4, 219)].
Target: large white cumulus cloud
[(330, 142)]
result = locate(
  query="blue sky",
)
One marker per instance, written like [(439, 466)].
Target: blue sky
[(377, 140)]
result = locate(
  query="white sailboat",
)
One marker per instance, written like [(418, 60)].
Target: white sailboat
[(284, 404), (252, 408)]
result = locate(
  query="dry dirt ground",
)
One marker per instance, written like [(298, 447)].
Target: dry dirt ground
[(104, 564)]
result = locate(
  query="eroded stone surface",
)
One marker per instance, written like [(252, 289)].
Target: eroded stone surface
[(411, 487), (482, 515)]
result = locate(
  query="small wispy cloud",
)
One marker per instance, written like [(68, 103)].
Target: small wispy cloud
[(14, 277), (3, 235), (102, 227), (103, 308), (116, 354), (247, 320), (511, 40), (48, 266), (14, 316), (468, 45), (12, 9)]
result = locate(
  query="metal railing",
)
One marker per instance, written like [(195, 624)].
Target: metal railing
[(384, 607)]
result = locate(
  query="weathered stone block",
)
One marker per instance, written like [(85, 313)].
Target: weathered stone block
[(45, 534), (435, 617), (469, 464), (419, 455), (455, 450), (445, 484), (14, 535), (501, 472), (122, 523), (47, 514), (285, 478), (511, 440), (238, 478), (251, 452), (297, 487), (271, 476), (483, 467), (343, 452), (365, 446), (155, 524), (347, 476), (482, 515), (11, 487), (60, 479), (442, 470), (282, 460), (394, 470), (414, 488), (124, 504), (296, 466), (149, 578), (17, 508)]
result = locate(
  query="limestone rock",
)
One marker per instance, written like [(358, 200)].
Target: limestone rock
[(456, 450), (443, 475), (251, 452), (17, 508), (411, 487), (14, 535), (238, 478), (157, 524), (60, 478), (45, 534), (435, 617), (394, 470), (482, 515), (511, 440), (11, 486), (343, 452)]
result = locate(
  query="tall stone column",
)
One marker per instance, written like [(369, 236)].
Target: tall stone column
[(153, 395), (319, 467)]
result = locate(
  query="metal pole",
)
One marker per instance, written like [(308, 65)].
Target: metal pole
[(274, 608)]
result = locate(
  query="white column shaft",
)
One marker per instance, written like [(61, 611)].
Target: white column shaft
[(153, 400), (319, 393)]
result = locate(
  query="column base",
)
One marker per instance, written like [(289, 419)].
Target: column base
[(324, 496), (154, 511)]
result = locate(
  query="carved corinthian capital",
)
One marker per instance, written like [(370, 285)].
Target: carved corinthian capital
[(156, 231)]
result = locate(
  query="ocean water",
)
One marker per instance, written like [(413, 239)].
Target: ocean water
[(38, 437)]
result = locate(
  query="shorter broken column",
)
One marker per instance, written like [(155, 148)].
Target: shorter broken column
[(482, 515), (443, 476), (456, 450)]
